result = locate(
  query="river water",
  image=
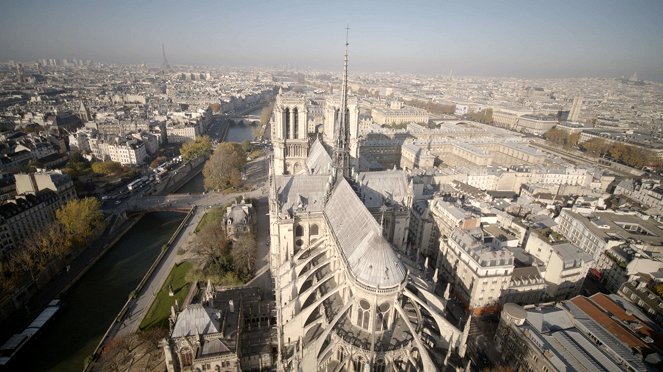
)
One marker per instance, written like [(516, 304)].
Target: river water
[(94, 301)]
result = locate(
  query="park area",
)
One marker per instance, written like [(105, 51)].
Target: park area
[(157, 315)]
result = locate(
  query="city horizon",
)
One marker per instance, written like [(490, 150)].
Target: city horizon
[(521, 40)]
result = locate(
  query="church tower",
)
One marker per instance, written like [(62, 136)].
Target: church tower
[(290, 134), (84, 113)]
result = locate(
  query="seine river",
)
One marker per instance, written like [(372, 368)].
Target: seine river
[(92, 303)]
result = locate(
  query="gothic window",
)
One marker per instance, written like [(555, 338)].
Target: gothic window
[(363, 314), (295, 119), (382, 317), (187, 357), (299, 230), (314, 229), (286, 122)]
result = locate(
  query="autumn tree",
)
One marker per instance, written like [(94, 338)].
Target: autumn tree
[(81, 219), (266, 113), (243, 255), (596, 146), (158, 160), (215, 107), (224, 168), (201, 146), (106, 167), (562, 137)]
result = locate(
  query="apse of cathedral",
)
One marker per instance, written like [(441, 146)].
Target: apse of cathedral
[(347, 296)]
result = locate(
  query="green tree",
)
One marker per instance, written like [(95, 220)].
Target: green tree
[(81, 219), (246, 146), (33, 165), (77, 165), (106, 167), (201, 146), (224, 168)]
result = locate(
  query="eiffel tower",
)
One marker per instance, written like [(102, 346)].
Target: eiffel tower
[(164, 64)]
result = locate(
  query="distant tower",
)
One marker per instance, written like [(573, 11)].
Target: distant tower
[(19, 72), (575, 109), (164, 65), (83, 113)]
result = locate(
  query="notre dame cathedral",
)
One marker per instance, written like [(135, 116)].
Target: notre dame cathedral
[(347, 297)]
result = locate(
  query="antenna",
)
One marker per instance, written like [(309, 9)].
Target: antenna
[(164, 63)]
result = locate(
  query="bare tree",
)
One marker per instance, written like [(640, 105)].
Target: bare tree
[(243, 254)]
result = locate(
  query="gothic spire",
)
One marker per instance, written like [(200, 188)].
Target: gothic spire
[(341, 152)]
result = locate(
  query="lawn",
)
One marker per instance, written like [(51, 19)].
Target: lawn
[(214, 214), (157, 315)]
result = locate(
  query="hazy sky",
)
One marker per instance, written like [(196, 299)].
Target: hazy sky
[(493, 38)]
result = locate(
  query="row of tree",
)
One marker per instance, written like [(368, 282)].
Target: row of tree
[(484, 116), (432, 107), (562, 138), (77, 222), (225, 260), (627, 154)]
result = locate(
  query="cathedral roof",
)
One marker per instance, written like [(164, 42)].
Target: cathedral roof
[(195, 319), (379, 187), (318, 161), (369, 256), (301, 192)]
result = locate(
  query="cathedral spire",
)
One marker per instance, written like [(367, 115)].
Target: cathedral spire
[(341, 151)]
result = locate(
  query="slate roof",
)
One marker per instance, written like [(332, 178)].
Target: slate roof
[(301, 192), (370, 257), (377, 187), (318, 161), (194, 320)]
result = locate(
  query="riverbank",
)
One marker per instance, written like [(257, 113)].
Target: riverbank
[(93, 301), (141, 293)]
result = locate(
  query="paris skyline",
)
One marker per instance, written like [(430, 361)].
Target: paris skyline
[(515, 38)]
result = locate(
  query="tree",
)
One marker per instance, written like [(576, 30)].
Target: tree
[(33, 165), (266, 113), (28, 259), (658, 289), (77, 165), (243, 255), (212, 243), (224, 168), (81, 219), (201, 146), (246, 146), (215, 107), (106, 167), (596, 146), (158, 160)]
